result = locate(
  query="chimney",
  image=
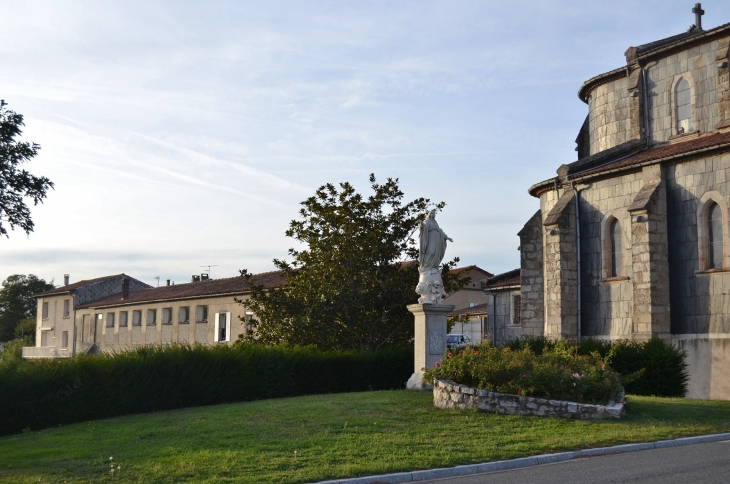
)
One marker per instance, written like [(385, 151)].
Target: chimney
[(125, 288), (203, 277), (195, 278), (168, 282), (66, 278)]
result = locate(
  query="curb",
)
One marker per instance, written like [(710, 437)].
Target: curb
[(502, 465)]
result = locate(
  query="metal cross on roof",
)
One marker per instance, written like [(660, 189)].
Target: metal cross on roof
[(698, 15)]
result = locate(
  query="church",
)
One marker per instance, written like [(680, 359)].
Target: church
[(632, 240)]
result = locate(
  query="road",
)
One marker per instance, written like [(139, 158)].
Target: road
[(696, 464)]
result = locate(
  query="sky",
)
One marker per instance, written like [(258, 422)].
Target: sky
[(185, 134)]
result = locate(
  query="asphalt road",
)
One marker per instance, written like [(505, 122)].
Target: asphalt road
[(696, 464)]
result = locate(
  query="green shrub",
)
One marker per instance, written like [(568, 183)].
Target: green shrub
[(558, 373), (42, 393), (651, 367), (654, 367)]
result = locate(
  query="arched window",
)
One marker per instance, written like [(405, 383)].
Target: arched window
[(714, 233), (615, 235), (683, 101)]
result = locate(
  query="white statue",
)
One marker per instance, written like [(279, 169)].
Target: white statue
[(432, 249)]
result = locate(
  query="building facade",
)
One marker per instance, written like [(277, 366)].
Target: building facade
[(632, 240), (116, 313)]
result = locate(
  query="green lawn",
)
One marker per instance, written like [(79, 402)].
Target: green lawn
[(314, 438)]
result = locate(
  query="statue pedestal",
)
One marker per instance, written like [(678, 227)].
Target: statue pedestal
[(430, 340)]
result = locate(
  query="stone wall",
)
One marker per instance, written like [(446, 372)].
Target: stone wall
[(532, 284), (449, 394), (609, 115), (699, 67), (700, 300)]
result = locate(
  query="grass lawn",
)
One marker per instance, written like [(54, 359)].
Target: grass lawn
[(315, 438)]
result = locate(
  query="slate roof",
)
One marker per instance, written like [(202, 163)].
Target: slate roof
[(75, 285), (477, 310), (506, 279), (209, 288)]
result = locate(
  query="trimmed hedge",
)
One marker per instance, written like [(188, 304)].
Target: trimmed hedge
[(43, 393), (652, 367)]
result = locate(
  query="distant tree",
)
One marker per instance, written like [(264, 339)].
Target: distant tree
[(25, 329), (17, 302), (350, 285), (17, 184)]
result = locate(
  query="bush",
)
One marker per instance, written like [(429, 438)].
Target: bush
[(651, 367), (558, 373), (43, 393), (658, 368)]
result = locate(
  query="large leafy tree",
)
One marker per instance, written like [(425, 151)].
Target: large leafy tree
[(348, 287), (17, 302), (17, 184)]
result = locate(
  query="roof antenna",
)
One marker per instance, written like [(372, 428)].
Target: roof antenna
[(158, 280), (208, 270)]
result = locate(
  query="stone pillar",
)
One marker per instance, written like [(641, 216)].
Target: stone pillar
[(430, 340), (532, 285), (650, 257), (561, 269)]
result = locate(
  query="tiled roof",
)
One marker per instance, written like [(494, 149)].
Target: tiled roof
[(506, 279), (457, 270), (701, 143), (209, 288), (75, 285), (477, 310)]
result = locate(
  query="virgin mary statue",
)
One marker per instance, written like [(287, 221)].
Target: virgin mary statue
[(432, 243)]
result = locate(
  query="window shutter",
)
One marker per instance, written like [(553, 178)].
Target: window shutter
[(228, 326), (215, 327)]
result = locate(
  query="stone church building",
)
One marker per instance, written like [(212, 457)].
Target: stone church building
[(632, 240)]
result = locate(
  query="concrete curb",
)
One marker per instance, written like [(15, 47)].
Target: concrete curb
[(525, 461)]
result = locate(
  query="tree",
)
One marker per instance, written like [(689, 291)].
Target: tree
[(17, 184), (17, 302), (350, 285)]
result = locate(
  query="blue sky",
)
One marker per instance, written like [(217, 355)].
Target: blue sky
[(182, 134)]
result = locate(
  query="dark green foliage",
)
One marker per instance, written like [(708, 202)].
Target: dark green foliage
[(39, 394), (347, 288), (17, 302), (660, 369), (558, 373), (17, 184), (651, 367)]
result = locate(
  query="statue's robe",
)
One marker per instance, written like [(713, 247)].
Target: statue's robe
[(432, 244)]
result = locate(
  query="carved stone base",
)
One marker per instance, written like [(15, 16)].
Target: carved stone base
[(430, 340)]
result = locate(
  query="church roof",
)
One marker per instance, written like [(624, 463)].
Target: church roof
[(210, 288), (649, 51), (622, 161)]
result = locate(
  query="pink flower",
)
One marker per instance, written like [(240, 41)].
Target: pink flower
[(450, 355), (576, 375), (573, 384), (437, 364), (519, 392), (476, 352), (524, 375)]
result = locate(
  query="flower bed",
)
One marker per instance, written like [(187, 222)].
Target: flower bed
[(558, 374), (449, 394)]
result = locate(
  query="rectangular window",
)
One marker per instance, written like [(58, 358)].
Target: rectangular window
[(44, 314), (222, 327), (66, 308), (84, 327), (517, 307), (151, 317), (184, 314), (64, 340), (472, 304), (109, 320), (201, 314), (137, 318), (122, 319), (166, 315)]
